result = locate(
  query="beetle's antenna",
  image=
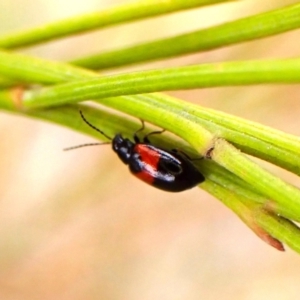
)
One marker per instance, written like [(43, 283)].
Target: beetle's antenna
[(85, 145), (89, 144), (92, 126)]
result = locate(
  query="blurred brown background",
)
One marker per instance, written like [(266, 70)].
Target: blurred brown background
[(76, 225)]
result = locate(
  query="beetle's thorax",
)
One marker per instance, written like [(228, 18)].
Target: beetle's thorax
[(123, 147)]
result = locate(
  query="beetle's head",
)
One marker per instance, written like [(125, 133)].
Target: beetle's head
[(123, 147)]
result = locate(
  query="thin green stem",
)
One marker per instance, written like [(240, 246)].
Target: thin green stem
[(31, 69), (268, 134), (6, 83), (271, 228), (27, 69), (166, 115), (273, 187), (254, 194), (282, 229), (234, 32), (255, 139), (191, 77), (96, 20), (233, 192), (170, 118), (112, 124)]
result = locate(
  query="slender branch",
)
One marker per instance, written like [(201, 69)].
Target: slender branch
[(234, 32), (255, 139), (167, 79), (116, 15)]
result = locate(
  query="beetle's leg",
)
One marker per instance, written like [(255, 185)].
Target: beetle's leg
[(135, 137), (146, 139)]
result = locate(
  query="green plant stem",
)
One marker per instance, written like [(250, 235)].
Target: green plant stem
[(252, 138), (267, 226), (191, 77), (268, 134), (242, 135), (27, 69), (273, 187), (224, 154), (280, 228), (233, 192), (30, 69), (234, 32), (6, 83), (96, 20), (252, 193), (111, 123), (165, 115), (255, 139)]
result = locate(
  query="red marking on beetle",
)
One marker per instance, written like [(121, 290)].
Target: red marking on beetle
[(148, 156), (150, 159)]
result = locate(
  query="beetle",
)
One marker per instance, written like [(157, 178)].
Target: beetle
[(171, 171)]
